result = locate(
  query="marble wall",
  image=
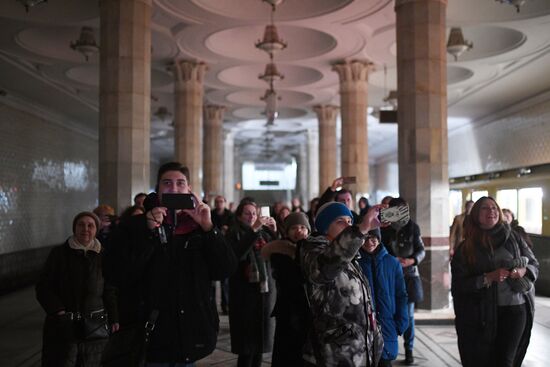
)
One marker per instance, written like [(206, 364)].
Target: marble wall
[(519, 137)]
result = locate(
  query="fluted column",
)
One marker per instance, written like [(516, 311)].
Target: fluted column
[(213, 148), (353, 103), (422, 134), (326, 115), (189, 90), (229, 166), (313, 164), (124, 100)]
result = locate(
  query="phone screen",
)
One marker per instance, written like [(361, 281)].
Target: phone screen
[(264, 211)]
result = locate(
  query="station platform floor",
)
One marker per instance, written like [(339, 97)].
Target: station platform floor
[(21, 321)]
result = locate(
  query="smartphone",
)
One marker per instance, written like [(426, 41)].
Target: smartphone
[(178, 201), (394, 214), (349, 180), (264, 211)]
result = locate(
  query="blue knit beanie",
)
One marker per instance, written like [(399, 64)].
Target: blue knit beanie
[(328, 213)]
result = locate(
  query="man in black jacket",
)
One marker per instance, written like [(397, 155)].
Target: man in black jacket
[(402, 240), (164, 261)]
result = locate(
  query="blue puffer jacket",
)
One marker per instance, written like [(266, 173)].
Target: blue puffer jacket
[(385, 276)]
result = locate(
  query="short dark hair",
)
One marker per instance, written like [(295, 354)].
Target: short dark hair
[(342, 192), (397, 202), (139, 194), (172, 166)]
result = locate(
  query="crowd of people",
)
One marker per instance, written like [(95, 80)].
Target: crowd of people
[(326, 287)]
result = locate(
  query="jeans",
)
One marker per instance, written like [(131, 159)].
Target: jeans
[(408, 335)]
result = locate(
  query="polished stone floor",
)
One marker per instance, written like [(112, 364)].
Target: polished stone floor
[(21, 322)]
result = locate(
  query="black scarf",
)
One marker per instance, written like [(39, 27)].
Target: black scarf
[(499, 234)]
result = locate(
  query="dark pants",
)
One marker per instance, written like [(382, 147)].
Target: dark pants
[(511, 324), (249, 360)]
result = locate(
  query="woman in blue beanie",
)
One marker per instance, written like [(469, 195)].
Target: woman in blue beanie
[(344, 329)]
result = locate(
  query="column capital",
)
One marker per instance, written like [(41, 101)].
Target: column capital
[(352, 70), (326, 113), (188, 70), (399, 3), (213, 114)]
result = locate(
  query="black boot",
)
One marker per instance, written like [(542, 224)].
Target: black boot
[(409, 359)]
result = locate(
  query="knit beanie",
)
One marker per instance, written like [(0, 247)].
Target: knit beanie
[(328, 213), (86, 214), (296, 218)]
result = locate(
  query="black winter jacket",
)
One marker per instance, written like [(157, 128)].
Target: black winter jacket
[(173, 278), (71, 281), (476, 306)]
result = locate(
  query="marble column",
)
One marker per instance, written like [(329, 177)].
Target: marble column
[(229, 166), (189, 90), (213, 150), (326, 115), (313, 165), (422, 135), (353, 103), (301, 190), (124, 100)]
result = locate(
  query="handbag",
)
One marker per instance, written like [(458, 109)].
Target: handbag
[(128, 346), (94, 327)]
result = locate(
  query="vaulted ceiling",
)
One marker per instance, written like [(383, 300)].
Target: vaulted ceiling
[(508, 63)]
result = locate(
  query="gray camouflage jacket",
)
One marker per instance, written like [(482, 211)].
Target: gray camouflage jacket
[(344, 330)]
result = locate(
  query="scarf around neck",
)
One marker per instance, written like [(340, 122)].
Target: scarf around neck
[(499, 234), (94, 246)]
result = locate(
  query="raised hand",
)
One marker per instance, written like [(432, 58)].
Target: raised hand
[(201, 214), (155, 217), (370, 220)]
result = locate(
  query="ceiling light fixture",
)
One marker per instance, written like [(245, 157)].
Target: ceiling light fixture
[(30, 3), (457, 45), (271, 74), (163, 115), (270, 98), (271, 43), (516, 3), (86, 43), (274, 3), (391, 99)]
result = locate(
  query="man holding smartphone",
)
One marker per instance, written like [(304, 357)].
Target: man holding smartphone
[(165, 262), (343, 196)]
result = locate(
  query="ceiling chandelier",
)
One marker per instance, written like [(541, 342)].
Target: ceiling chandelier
[(270, 44), (516, 3), (86, 44), (457, 45), (391, 99), (30, 3), (164, 116)]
